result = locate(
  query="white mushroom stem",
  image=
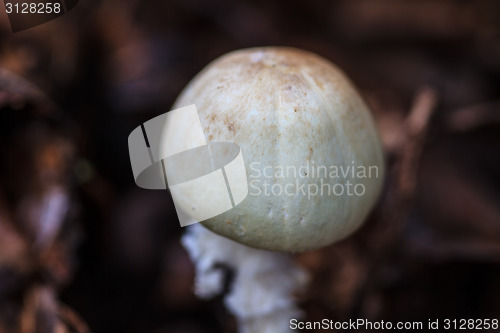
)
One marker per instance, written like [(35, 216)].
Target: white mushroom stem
[(261, 296)]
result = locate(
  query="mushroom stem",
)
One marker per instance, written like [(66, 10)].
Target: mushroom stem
[(261, 295)]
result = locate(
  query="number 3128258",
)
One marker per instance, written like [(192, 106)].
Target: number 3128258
[(33, 8)]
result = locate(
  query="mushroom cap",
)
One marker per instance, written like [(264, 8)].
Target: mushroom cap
[(313, 158)]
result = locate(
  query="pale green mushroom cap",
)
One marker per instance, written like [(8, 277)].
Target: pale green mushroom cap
[(286, 109)]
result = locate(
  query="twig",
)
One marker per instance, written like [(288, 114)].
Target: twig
[(472, 117), (416, 124), (70, 318)]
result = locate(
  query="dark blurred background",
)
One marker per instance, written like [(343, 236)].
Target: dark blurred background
[(81, 247)]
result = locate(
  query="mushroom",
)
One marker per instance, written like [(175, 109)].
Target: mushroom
[(314, 166)]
